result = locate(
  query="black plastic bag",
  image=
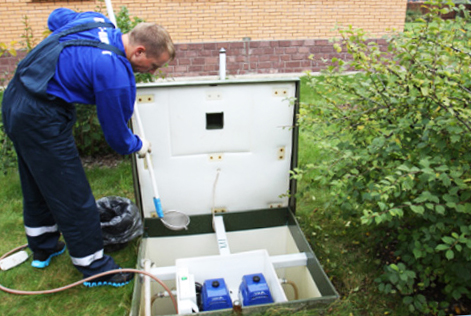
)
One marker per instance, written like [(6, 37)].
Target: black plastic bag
[(120, 221)]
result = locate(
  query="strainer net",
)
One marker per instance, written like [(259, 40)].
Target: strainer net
[(175, 220)]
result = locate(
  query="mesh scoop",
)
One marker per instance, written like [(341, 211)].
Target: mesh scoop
[(175, 220)]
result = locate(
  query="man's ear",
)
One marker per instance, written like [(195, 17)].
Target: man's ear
[(140, 50)]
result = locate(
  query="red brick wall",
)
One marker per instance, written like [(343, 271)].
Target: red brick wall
[(7, 66), (249, 57), (283, 33)]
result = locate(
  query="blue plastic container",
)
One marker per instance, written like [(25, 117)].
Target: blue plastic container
[(215, 295), (254, 290)]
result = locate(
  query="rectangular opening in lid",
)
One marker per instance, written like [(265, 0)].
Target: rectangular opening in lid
[(215, 120)]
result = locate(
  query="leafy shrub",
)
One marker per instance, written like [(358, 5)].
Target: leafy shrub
[(412, 15), (7, 48), (400, 134), (29, 41), (88, 134), (7, 153)]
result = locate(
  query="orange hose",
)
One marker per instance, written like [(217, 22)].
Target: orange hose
[(20, 292), (14, 250)]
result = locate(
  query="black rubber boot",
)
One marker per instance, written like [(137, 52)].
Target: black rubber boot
[(41, 259)]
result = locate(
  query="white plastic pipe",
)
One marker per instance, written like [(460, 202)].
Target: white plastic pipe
[(222, 64), (278, 262), (218, 223), (157, 203), (109, 9), (147, 290)]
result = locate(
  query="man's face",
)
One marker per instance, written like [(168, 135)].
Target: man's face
[(143, 64)]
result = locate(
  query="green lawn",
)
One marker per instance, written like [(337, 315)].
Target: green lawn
[(78, 300)]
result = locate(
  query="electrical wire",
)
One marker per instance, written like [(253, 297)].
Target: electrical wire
[(21, 292)]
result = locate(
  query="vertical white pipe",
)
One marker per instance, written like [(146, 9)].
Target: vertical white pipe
[(147, 292), (222, 64), (109, 9), (221, 236)]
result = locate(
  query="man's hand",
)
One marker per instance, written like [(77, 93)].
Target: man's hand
[(146, 148)]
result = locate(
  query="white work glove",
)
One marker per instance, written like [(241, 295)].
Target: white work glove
[(146, 148)]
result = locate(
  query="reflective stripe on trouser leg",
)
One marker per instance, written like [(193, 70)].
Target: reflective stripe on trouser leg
[(88, 260), (42, 134), (40, 227), (42, 238), (37, 231)]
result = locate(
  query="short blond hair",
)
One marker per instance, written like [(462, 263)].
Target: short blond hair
[(154, 38)]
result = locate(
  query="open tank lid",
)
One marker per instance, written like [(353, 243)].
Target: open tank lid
[(218, 145)]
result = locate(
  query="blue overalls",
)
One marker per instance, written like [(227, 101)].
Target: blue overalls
[(57, 195)]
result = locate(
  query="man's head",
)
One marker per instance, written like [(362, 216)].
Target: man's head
[(149, 47)]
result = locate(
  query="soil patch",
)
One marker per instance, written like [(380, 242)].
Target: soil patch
[(109, 160)]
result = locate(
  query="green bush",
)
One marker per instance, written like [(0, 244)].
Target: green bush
[(400, 134), (88, 134), (412, 15), (7, 152)]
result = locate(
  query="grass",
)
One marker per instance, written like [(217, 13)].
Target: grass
[(346, 250), (78, 300)]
